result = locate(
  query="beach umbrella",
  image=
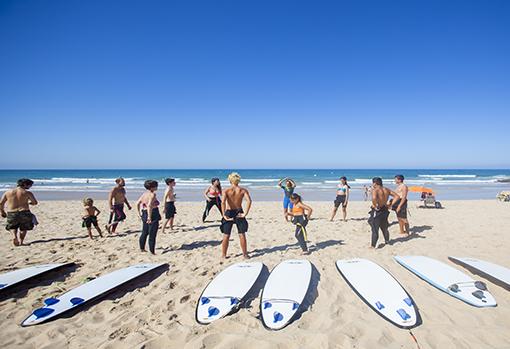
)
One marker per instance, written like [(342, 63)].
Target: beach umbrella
[(417, 189)]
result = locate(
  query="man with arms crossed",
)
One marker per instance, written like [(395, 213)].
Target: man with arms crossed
[(379, 214), (19, 217), (232, 208), (116, 200)]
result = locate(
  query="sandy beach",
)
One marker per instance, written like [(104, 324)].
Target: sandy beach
[(158, 311)]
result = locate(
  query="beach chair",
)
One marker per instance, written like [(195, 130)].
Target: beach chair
[(430, 202), (503, 196)]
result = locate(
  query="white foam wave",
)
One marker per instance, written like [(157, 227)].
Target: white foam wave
[(447, 176)]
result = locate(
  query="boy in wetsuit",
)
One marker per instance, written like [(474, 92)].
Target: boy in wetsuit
[(19, 217), (379, 211), (232, 208), (116, 199), (169, 200), (90, 217)]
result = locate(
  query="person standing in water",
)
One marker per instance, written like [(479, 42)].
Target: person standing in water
[(169, 200), (212, 198), (19, 218), (400, 205), (300, 214), (379, 211), (232, 208), (288, 186), (148, 210), (116, 199), (342, 198)]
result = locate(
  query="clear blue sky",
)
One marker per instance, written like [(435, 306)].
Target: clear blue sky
[(254, 84)]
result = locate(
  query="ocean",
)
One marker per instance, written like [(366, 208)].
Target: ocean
[(312, 184)]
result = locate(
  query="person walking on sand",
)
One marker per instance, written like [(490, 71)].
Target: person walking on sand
[(342, 198), (288, 186), (400, 205), (19, 218), (116, 199), (147, 207), (212, 198), (90, 217), (169, 200), (300, 214), (232, 208), (379, 211)]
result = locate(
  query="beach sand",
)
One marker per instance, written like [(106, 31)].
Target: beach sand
[(158, 311)]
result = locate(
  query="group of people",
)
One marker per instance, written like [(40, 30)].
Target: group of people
[(229, 202)]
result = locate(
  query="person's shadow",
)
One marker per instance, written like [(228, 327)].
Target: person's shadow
[(414, 233), (312, 247)]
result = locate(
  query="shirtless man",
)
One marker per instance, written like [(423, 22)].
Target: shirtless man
[(400, 205), (379, 214), (232, 208), (116, 199), (19, 217)]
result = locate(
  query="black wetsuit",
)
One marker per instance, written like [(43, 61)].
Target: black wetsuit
[(150, 230), (379, 220), (300, 234), (209, 204)]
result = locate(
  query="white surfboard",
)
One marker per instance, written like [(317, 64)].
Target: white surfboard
[(284, 292), (496, 271), (449, 280), (380, 290), (226, 291), (17, 276), (86, 292)]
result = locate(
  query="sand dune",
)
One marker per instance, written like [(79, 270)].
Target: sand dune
[(158, 311)]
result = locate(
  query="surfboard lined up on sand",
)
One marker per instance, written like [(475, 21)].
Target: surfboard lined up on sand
[(20, 275), (496, 271), (87, 292)]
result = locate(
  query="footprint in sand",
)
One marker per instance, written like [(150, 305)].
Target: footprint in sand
[(120, 333), (184, 299)]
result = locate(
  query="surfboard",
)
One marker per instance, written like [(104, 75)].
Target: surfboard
[(20, 275), (380, 290), (87, 292), (284, 291), (496, 271), (449, 280), (227, 291)]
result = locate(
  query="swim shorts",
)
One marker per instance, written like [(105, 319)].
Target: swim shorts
[(241, 223), (22, 220)]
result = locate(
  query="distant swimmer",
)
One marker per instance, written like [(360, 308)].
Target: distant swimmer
[(116, 199), (379, 211), (19, 218), (400, 205), (288, 186), (342, 198), (169, 200), (147, 207), (233, 213), (90, 217), (212, 198), (300, 214)]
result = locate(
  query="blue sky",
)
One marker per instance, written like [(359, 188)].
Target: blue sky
[(260, 84)]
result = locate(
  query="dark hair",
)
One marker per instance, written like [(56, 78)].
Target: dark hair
[(377, 180), (296, 197), (219, 182), (345, 179), (399, 177), (24, 183), (169, 181), (118, 180), (150, 184)]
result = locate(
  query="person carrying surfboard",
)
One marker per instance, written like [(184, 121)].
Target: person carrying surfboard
[(19, 217), (288, 186), (300, 214), (379, 211), (232, 208), (116, 199)]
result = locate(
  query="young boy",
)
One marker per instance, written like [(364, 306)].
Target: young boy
[(90, 217), (169, 200), (300, 215)]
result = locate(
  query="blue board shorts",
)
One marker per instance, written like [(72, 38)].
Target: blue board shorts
[(287, 203)]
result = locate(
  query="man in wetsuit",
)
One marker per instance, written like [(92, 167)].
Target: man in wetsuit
[(19, 217), (232, 208), (400, 205), (379, 213), (116, 199)]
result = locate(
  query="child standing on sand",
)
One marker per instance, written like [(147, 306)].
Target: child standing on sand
[(300, 214), (169, 200), (90, 217)]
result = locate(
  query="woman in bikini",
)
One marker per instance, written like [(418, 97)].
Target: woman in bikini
[(342, 198), (148, 209), (213, 197)]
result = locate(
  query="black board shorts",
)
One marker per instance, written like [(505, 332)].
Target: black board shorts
[(241, 223), (340, 200), (403, 211), (89, 221), (170, 210)]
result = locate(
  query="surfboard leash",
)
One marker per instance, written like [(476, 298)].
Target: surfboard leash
[(414, 339)]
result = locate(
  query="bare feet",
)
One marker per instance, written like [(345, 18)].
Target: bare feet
[(15, 242), (142, 250), (246, 256)]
